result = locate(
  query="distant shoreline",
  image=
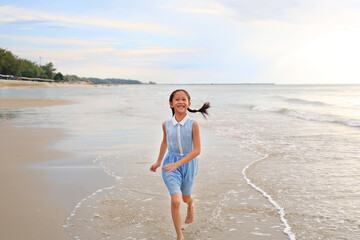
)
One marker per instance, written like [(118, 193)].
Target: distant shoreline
[(216, 84), (15, 84)]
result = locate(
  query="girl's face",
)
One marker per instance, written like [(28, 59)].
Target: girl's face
[(180, 102)]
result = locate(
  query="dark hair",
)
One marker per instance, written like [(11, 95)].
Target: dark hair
[(202, 110)]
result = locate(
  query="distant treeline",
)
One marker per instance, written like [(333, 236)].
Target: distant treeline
[(11, 64), (73, 78)]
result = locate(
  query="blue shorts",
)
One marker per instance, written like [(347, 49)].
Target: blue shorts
[(181, 179)]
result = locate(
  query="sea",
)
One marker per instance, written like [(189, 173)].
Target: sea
[(292, 150)]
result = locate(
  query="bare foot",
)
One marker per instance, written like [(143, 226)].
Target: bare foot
[(190, 214)]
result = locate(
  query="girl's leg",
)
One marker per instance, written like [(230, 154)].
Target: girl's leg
[(190, 210), (176, 214)]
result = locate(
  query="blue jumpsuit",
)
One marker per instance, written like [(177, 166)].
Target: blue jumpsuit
[(180, 143)]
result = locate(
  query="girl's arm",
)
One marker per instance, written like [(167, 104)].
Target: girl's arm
[(163, 148), (194, 153)]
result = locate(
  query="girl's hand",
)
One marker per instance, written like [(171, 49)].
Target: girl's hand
[(170, 167), (154, 167)]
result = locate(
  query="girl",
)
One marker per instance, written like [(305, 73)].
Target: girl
[(182, 140)]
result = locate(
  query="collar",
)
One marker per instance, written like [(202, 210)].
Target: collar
[(182, 121)]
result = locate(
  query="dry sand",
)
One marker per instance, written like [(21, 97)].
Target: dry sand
[(27, 212), (13, 84)]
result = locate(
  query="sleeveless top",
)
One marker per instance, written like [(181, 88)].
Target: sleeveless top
[(179, 136), (180, 143)]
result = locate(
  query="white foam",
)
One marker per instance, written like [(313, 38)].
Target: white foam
[(98, 161), (260, 234), (148, 199), (281, 211), (309, 116), (79, 204)]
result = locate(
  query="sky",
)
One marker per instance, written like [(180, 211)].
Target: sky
[(189, 41)]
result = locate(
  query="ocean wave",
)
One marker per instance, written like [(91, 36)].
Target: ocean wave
[(306, 102), (308, 116)]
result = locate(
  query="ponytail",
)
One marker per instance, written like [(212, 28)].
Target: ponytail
[(202, 110)]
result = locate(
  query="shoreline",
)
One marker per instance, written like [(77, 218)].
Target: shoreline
[(280, 209), (16, 84)]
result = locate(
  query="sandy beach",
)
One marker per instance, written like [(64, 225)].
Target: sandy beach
[(14, 84), (27, 212), (32, 206), (97, 194)]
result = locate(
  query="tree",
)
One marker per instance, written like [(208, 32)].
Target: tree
[(49, 70), (58, 77), (8, 63), (28, 69), (71, 78)]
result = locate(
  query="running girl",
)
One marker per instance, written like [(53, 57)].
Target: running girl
[(182, 140)]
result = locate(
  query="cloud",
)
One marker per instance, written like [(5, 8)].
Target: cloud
[(56, 41), (12, 14), (280, 41), (201, 7), (108, 55), (65, 53), (155, 51), (239, 10), (161, 74), (306, 53), (291, 41)]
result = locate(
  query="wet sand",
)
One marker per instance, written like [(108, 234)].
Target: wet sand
[(137, 205), (23, 102), (27, 211)]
